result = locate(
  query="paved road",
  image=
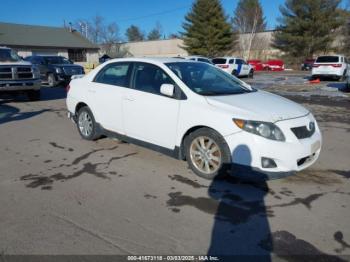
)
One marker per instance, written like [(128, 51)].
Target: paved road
[(62, 195)]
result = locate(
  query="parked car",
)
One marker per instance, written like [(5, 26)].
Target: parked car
[(331, 66), (307, 64), (17, 75), (197, 112), (104, 58), (275, 65), (55, 69), (257, 65), (199, 59), (234, 66)]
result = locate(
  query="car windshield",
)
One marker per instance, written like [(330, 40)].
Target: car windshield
[(8, 55), (52, 60), (327, 59), (207, 80)]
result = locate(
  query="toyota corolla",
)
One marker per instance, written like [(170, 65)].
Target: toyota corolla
[(196, 112)]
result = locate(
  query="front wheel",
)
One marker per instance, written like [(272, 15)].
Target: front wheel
[(86, 124), (251, 74), (51, 80), (207, 153)]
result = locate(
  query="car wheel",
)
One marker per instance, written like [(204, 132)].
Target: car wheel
[(343, 77), (235, 73), (51, 80), (86, 124), (33, 95), (207, 153), (251, 74)]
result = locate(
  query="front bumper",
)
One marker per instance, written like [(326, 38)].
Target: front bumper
[(290, 156), (20, 85)]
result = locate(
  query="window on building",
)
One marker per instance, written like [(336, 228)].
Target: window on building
[(77, 55)]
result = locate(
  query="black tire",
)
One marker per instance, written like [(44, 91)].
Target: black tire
[(225, 163), (33, 95), (51, 80), (343, 77), (251, 73), (94, 134), (235, 73)]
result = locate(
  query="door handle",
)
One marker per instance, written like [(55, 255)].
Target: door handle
[(129, 98), (92, 91)]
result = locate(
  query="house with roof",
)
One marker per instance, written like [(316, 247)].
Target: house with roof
[(44, 40)]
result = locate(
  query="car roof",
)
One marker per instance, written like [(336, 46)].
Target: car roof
[(161, 60)]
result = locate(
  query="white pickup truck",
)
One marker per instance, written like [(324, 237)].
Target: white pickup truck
[(17, 75)]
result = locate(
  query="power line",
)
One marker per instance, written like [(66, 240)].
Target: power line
[(154, 14)]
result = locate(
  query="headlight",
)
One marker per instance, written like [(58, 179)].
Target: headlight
[(58, 70), (264, 129), (36, 71)]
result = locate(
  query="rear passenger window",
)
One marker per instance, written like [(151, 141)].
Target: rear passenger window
[(232, 61), (149, 78), (115, 74)]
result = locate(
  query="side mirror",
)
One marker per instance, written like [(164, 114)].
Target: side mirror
[(167, 90)]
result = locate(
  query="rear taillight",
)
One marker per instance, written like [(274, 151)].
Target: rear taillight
[(333, 65), (67, 88), (223, 66)]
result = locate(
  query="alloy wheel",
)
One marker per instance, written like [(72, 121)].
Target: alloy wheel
[(85, 124), (205, 154)]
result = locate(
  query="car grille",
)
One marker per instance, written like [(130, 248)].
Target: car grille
[(16, 72), (72, 70), (303, 132)]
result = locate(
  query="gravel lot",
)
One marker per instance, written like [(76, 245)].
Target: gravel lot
[(60, 195)]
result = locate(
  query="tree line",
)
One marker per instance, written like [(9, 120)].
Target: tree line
[(305, 28)]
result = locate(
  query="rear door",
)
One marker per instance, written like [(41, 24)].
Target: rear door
[(106, 93)]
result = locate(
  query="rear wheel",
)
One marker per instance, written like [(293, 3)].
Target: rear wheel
[(33, 95), (86, 124), (235, 73), (343, 77), (207, 153)]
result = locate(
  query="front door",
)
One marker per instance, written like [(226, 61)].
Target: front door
[(148, 115)]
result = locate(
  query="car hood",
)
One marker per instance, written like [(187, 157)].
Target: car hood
[(259, 106), (16, 63)]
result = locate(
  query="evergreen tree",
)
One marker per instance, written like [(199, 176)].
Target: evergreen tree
[(249, 17), (307, 27), (206, 30), (133, 33)]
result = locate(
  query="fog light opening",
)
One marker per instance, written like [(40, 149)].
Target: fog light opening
[(268, 163)]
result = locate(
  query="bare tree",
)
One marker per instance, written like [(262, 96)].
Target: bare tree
[(248, 20)]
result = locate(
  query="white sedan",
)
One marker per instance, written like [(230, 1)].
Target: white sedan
[(195, 111)]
